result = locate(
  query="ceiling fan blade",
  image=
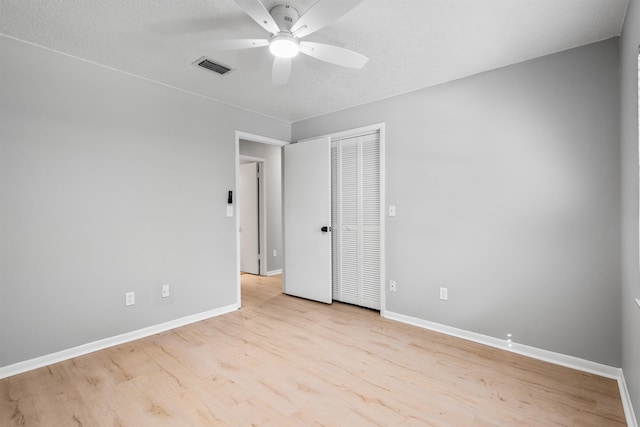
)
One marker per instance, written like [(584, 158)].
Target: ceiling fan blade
[(281, 70), (256, 10), (333, 54), (236, 44), (323, 13)]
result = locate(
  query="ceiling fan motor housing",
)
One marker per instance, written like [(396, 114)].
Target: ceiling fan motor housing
[(285, 16)]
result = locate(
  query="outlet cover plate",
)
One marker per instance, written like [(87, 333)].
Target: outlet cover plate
[(129, 298)]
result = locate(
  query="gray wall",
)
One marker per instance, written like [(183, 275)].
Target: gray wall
[(506, 183), (273, 172), (508, 193), (629, 137), (109, 183)]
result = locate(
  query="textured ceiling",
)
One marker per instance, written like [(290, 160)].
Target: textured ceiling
[(411, 44)]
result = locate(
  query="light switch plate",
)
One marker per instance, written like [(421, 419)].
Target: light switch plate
[(230, 210), (392, 210), (129, 298)]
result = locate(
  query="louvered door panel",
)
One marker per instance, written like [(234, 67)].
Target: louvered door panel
[(356, 220), (335, 235), (370, 206), (349, 204)]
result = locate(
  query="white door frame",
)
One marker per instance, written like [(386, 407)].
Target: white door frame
[(380, 127), (262, 212), (263, 140)]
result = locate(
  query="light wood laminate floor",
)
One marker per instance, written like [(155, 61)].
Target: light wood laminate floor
[(284, 361)]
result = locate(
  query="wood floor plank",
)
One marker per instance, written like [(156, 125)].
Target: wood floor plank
[(285, 361)]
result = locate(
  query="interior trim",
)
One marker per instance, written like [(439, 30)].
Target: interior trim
[(533, 352), (70, 353)]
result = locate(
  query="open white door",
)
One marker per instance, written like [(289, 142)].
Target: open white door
[(307, 210)]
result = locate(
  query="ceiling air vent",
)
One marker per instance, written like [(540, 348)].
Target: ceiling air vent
[(216, 67)]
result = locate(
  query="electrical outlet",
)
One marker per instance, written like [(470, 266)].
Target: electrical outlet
[(166, 291), (275, 253), (444, 294), (392, 286), (129, 298)]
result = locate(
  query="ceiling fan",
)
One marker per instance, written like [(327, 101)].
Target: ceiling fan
[(287, 28)]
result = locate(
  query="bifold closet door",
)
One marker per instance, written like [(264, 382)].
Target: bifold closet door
[(356, 219)]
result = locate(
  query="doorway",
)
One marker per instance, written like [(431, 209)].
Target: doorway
[(266, 156), (344, 217)]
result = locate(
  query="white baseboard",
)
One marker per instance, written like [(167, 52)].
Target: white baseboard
[(274, 272), (536, 353), (632, 421), (533, 352), (39, 362), (525, 350)]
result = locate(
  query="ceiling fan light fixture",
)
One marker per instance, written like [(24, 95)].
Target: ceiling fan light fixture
[(284, 46)]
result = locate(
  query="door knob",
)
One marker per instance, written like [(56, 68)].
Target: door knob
[(325, 229)]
